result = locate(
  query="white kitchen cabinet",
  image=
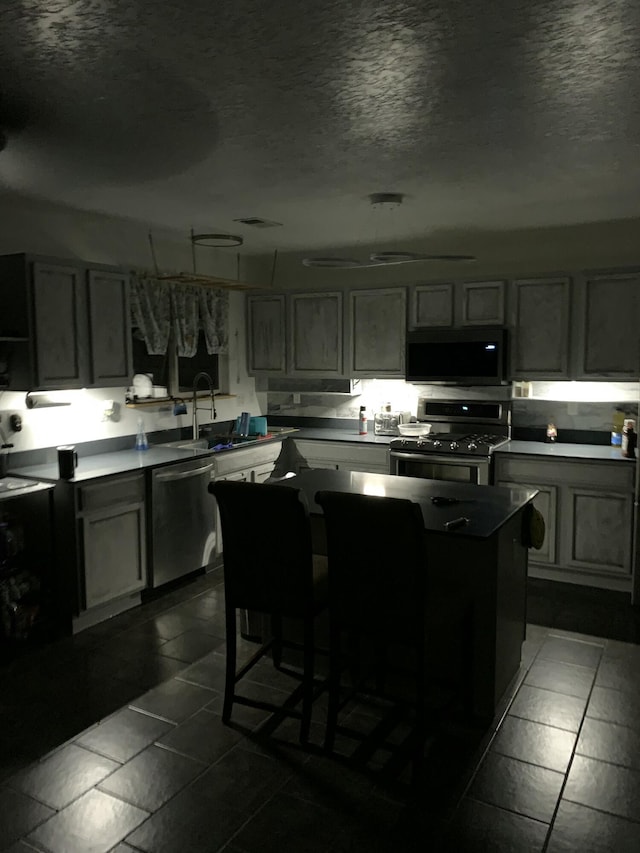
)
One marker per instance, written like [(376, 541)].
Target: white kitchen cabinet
[(588, 510), (462, 303), (342, 456), (483, 303), (315, 335), (74, 318), (539, 328), (266, 335), (377, 331), (112, 553), (607, 317), (432, 305)]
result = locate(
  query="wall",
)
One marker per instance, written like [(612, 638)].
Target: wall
[(43, 228)]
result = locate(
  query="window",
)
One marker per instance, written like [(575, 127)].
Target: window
[(156, 365), (188, 368)]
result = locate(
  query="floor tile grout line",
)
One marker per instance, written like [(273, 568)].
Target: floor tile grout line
[(570, 764)]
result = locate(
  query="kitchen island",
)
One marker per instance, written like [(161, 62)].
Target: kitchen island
[(477, 569)]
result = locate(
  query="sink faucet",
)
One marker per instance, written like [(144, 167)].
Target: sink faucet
[(209, 381)]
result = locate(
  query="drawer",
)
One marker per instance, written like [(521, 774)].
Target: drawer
[(337, 452), (616, 476), (249, 457), (106, 492)]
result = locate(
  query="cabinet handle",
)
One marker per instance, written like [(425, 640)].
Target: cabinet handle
[(183, 475)]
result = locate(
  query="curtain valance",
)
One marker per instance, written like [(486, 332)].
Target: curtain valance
[(158, 306)]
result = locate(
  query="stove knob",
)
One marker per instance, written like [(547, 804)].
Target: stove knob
[(436, 443), (472, 446), (404, 442), (454, 445)]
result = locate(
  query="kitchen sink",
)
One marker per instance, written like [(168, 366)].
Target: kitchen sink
[(213, 440), (187, 444)]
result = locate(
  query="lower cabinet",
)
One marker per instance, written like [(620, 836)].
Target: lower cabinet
[(588, 513), (341, 456), (101, 529)]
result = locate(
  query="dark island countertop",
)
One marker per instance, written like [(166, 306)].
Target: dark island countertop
[(487, 508)]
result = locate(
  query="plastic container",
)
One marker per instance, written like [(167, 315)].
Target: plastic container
[(385, 422), (363, 425), (552, 432), (414, 429)]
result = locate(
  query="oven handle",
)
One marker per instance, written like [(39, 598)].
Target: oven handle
[(440, 459)]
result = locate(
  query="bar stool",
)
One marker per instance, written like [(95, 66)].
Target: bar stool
[(269, 568), (378, 599)]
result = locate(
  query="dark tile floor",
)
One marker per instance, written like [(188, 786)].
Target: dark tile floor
[(112, 741)]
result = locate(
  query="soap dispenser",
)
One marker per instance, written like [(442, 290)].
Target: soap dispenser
[(141, 437)]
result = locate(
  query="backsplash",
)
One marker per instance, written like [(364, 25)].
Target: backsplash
[(574, 406)]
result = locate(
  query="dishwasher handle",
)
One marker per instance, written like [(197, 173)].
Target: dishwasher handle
[(183, 475)]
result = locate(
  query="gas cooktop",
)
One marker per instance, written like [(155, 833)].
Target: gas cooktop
[(450, 442)]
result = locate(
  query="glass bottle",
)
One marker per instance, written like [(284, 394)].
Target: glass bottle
[(628, 446)]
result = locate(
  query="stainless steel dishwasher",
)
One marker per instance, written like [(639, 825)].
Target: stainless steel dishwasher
[(183, 520)]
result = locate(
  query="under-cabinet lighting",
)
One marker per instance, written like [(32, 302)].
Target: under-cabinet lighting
[(35, 400)]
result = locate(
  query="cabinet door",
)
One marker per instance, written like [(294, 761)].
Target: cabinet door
[(114, 553), (59, 307), (600, 530), (377, 330), (110, 331), (315, 334), (266, 334), (483, 303), (609, 339), (540, 329), (432, 305)]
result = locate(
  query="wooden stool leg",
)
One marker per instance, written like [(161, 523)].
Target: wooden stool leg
[(230, 668)]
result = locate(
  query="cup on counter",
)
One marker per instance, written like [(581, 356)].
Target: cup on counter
[(67, 461)]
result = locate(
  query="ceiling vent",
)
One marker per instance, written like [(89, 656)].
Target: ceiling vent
[(257, 222)]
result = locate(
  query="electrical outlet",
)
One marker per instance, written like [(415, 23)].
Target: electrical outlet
[(296, 399), (572, 408)]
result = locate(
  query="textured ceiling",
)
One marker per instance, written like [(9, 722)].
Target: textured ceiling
[(190, 113)]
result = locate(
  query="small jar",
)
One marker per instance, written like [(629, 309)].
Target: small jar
[(628, 446)]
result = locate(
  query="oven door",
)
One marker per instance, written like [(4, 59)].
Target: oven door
[(429, 466)]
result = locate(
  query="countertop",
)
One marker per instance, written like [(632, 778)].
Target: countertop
[(123, 461), (108, 464), (488, 508), (558, 450)]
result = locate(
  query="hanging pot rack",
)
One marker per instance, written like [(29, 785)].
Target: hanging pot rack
[(204, 280)]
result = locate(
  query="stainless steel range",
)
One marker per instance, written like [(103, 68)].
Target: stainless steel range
[(459, 447)]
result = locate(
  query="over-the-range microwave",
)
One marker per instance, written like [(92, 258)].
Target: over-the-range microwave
[(475, 356)]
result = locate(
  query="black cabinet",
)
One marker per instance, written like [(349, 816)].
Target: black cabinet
[(73, 319)]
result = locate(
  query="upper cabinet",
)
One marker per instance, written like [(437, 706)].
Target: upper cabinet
[(466, 303), (377, 331), (432, 305), (266, 334), (110, 328), (74, 321), (608, 320), (539, 328), (315, 334)]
